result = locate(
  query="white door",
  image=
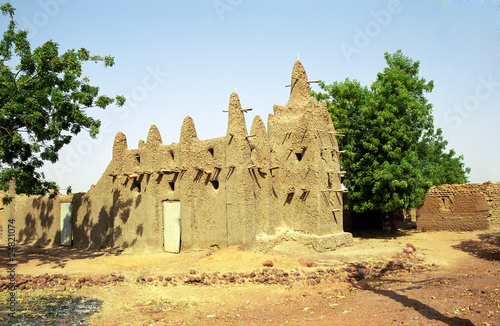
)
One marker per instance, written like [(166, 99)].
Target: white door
[(66, 231), (172, 225)]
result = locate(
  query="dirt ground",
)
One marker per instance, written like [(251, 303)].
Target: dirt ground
[(416, 278)]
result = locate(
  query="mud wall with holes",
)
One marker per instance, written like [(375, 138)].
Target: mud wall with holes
[(465, 207), (254, 189)]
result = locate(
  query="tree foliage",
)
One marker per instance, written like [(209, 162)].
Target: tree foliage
[(43, 98), (393, 154), (441, 167)]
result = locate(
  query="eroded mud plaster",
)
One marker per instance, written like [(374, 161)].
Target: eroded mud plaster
[(466, 207), (252, 189)]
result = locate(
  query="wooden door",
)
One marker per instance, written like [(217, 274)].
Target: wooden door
[(66, 225), (172, 226)]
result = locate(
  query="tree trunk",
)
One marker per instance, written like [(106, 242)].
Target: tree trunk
[(393, 222)]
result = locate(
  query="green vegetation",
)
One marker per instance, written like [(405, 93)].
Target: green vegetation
[(393, 154), (43, 98)]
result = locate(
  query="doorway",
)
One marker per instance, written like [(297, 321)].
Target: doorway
[(172, 226), (66, 225)]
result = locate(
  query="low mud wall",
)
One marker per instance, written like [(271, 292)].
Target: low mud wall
[(36, 219), (466, 207)]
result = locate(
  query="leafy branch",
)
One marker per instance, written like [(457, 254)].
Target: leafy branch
[(44, 97)]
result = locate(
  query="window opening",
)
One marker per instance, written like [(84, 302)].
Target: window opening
[(215, 184)]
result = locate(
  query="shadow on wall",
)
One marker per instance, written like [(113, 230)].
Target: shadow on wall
[(88, 233), (108, 230), (101, 223), (28, 233), (40, 228), (488, 247)]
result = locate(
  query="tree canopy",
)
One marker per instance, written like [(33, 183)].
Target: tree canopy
[(43, 98), (393, 154)]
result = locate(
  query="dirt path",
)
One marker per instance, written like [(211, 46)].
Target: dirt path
[(451, 279)]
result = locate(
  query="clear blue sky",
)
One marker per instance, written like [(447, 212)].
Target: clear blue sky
[(179, 58)]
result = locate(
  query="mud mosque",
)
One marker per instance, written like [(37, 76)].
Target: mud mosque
[(253, 189)]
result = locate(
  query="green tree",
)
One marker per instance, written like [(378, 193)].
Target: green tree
[(393, 155), (441, 167), (43, 98)]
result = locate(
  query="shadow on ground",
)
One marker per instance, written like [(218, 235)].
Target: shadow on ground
[(58, 256), (488, 247), (426, 311), (382, 234)]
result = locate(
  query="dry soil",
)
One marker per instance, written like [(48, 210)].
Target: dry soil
[(415, 278)]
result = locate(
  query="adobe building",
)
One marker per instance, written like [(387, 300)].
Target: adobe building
[(253, 189), (461, 207)]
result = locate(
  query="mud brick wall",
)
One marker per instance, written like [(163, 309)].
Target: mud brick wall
[(252, 189), (36, 218), (465, 207)]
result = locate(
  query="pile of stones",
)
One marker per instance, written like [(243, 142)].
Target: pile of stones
[(59, 282), (310, 274)]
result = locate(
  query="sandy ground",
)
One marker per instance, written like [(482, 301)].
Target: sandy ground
[(450, 279)]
